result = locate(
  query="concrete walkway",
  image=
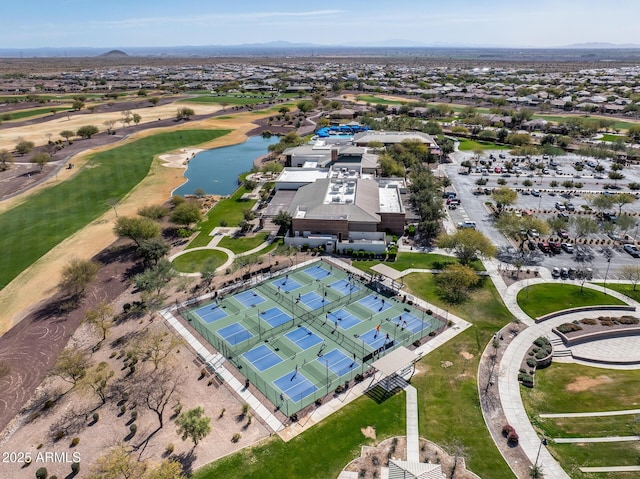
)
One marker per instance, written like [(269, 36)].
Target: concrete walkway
[(611, 469), (413, 441), (593, 414), (575, 440)]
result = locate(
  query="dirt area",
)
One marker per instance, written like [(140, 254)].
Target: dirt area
[(511, 276), (495, 419), (34, 430), (583, 383), (373, 458)]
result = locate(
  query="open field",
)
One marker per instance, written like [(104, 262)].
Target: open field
[(564, 388), (626, 289), (470, 145), (227, 99), (38, 132), (193, 261), (540, 299), (240, 245), (22, 114)]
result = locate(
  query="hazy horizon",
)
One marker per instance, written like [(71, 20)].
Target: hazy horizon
[(498, 24)]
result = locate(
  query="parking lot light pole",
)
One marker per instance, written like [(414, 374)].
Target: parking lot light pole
[(606, 274)]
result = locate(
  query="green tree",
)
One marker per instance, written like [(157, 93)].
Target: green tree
[(193, 425), (186, 213), (155, 279), (601, 203), (98, 380), (208, 271), (152, 250), (71, 365), (77, 105), (167, 469), (467, 244), (615, 176), (625, 222), (67, 134), (633, 132), (584, 225), (154, 212), (77, 274), (283, 219), (23, 147), (454, 283), (6, 160), (87, 131), (631, 273), (305, 106), (41, 159), (118, 463), (136, 118), (136, 229), (184, 113), (504, 197), (154, 100), (100, 318)]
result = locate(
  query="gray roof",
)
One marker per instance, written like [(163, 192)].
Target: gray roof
[(311, 198)]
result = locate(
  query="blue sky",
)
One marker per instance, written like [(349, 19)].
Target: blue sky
[(115, 23)]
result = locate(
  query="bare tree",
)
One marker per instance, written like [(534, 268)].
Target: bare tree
[(71, 366), (101, 318), (157, 347)]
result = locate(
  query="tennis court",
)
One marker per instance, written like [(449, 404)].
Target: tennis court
[(410, 322), (303, 338), (211, 313), (312, 300), (262, 357), (344, 287), (235, 334), (268, 333), (249, 298), (317, 272), (343, 319), (338, 362), (295, 386), (375, 303), (286, 284), (274, 316)]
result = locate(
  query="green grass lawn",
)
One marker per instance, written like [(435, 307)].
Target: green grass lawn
[(240, 245), (612, 138), (32, 228), (470, 145), (409, 260), (228, 99), (448, 397), (626, 289), (228, 210), (319, 453), (22, 114), (577, 388), (380, 101), (193, 261), (540, 299)]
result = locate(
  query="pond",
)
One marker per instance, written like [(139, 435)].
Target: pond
[(216, 171)]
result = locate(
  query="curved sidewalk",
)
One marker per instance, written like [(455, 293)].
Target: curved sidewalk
[(508, 385)]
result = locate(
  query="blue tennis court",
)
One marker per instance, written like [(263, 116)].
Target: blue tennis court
[(234, 334), (410, 322), (286, 284), (344, 287), (249, 298), (295, 386), (375, 303), (274, 316), (343, 319), (303, 338), (262, 357), (317, 272), (375, 339), (211, 313), (337, 362), (312, 300)]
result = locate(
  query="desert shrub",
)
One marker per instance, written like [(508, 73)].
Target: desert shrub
[(75, 441), (608, 323), (628, 320), (75, 467), (133, 428), (513, 438), (236, 437), (358, 378), (568, 328), (59, 434), (134, 415), (339, 389), (506, 429), (589, 321), (42, 473), (95, 416), (531, 362), (525, 378), (539, 355), (169, 449)]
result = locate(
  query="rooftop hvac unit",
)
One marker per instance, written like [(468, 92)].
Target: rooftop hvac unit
[(335, 199)]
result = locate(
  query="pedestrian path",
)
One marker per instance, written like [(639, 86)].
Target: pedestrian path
[(611, 469), (576, 440), (413, 442), (593, 414)]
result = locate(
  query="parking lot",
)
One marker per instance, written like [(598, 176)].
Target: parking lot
[(605, 256)]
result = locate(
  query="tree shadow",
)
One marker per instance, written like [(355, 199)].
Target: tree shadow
[(186, 460)]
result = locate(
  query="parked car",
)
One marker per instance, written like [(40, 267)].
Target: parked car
[(615, 237), (570, 207), (555, 247), (555, 272), (564, 273), (632, 250), (535, 192), (544, 247), (563, 216), (560, 206), (568, 247), (608, 216), (502, 156), (467, 224), (534, 233), (572, 273), (563, 234)]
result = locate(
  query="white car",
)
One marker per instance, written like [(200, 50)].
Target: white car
[(467, 224)]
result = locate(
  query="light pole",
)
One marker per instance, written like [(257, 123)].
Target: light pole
[(606, 274), (326, 365), (543, 441)]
